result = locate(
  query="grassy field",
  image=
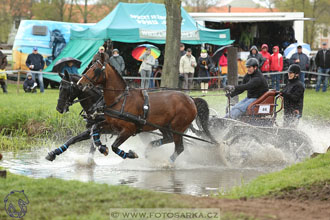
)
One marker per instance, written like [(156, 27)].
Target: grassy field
[(59, 199), (29, 118), (302, 174)]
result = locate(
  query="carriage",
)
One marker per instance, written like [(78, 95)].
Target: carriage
[(258, 125)]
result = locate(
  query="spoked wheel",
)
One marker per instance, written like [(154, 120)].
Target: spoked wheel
[(240, 148)]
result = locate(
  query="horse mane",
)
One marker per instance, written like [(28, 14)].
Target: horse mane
[(120, 76)]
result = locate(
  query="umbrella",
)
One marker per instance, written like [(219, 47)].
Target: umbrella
[(139, 50), (218, 53), (61, 63), (292, 48)]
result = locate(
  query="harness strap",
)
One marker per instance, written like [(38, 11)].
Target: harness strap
[(140, 122), (146, 104)]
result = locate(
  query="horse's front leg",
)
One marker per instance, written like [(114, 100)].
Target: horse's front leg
[(122, 137), (96, 137), (80, 137)]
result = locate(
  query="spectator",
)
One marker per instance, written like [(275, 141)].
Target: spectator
[(3, 75), (182, 51), (293, 94), (265, 68), (70, 67), (205, 64), (158, 74), (117, 61), (181, 77), (322, 61), (276, 65), (223, 64), (36, 62), (98, 55), (302, 60), (29, 84), (187, 68), (146, 67), (254, 53)]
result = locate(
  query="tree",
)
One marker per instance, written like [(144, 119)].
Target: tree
[(199, 5), (13, 10), (318, 10), (173, 38), (84, 10), (55, 10)]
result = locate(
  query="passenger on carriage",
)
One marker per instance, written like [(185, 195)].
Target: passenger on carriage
[(255, 84), (70, 67), (293, 94)]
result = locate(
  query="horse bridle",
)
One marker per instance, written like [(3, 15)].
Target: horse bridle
[(93, 80), (68, 101)]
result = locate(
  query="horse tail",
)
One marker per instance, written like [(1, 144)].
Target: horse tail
[(202, 118)]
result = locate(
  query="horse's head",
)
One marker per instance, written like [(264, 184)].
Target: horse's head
[(95, 75), (68, 92)]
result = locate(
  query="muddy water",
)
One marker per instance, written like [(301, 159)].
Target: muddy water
[(200, 170)]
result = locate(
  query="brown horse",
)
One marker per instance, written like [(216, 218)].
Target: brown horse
[(172, 110)]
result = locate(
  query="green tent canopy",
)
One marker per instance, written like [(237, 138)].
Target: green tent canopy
[(134, 23)]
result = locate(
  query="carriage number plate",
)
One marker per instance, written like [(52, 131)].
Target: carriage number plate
[(264, 109)]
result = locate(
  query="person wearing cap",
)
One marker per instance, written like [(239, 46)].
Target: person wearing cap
[(3, 75), (187, 69), (148, 61), (293, 94), (97, 56), (29, 84), (322, 61), (302, 60), (182, 51), (253, 82), (205, 64), (117, 61), (35, 62)]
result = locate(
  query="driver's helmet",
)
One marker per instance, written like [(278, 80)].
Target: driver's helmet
[(294, 68), (252, 62)]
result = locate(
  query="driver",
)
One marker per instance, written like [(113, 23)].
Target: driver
[(293, 94), (255, 84)]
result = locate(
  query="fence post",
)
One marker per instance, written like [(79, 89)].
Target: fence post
[(18, 80), (232, 70), (232, 66)]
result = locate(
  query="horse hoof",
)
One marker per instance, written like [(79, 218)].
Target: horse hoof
[(104, 150), (132, 154), (51, 156)]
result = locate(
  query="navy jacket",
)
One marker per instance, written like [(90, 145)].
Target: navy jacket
[(37, 60)]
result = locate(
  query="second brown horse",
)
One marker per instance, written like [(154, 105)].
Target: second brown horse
[(172, 110)]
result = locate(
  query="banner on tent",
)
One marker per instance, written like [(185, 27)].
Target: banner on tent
[(161, 35)]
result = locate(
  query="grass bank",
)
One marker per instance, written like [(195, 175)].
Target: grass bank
[(59, 199), (27, 118), (304, 174)]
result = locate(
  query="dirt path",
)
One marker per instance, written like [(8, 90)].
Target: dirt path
[(269, 208), (312, 202)]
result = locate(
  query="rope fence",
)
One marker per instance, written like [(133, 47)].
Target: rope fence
[(219, 77)]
